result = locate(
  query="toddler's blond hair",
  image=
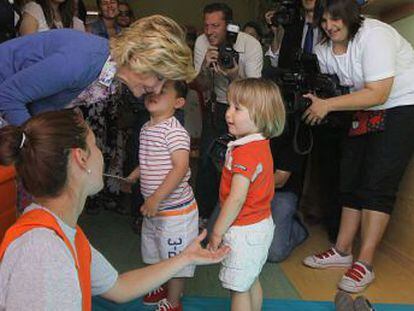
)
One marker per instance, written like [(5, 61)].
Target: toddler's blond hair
[(263, 100)]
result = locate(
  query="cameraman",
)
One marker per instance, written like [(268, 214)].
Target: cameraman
[(298, 33), (297, 30), (215, 80), (289, 229), (288, 39)]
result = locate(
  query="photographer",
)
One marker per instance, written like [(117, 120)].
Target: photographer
[(215, 72), (292, 29), (289, 230), (295, 31), (377, 63)]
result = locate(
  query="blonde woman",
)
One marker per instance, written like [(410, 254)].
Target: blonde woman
[(61, 68), (69, 68)]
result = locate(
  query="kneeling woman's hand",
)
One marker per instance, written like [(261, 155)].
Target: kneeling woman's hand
[(202, 256)]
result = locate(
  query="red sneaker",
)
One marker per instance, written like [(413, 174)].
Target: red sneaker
[(153, 297), (165, 305)]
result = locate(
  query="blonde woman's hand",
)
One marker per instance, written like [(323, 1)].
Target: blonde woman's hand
[(126, 185)]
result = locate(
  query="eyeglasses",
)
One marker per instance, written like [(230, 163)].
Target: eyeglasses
[(124, 13)]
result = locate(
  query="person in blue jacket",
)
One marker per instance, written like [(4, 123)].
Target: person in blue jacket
[(63, 68)]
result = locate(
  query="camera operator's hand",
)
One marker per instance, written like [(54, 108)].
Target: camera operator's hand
[(316, 111), (231, 73), (211, 58), (278, 31)]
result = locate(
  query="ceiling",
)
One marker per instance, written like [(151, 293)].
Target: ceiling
[(377, 7)]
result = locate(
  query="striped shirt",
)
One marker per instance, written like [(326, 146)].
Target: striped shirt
[(157, 143)]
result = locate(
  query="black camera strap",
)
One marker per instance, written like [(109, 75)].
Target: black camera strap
[(306, 131)]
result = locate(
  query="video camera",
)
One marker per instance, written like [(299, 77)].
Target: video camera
[(287, 12), (227, 54), (305, 77)]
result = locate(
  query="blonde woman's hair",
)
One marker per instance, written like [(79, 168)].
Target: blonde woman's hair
[(154, 45), (263, 101)]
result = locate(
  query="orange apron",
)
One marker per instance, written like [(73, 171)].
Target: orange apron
[(41, 219)]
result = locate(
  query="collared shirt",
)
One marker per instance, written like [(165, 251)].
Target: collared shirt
[(250, 61), (240, 142), (274, 56), (250, 157)]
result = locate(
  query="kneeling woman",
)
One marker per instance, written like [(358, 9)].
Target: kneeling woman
[(46, 262)]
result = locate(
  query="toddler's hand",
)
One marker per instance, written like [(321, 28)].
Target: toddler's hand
[(150, 207), (214, 242)]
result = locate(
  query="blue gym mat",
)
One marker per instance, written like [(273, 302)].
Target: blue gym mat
[(219, 304)]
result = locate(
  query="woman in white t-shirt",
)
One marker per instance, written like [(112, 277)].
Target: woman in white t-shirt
[(42, 15), (377, 64)]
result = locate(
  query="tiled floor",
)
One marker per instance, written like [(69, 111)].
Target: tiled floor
[(111, 234)]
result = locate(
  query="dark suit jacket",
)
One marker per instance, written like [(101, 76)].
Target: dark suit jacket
[(291, 44), (7, 30)]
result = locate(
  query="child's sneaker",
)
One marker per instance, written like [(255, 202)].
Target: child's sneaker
[(165, 305), (328, 259), (356, 279), (155, 296)]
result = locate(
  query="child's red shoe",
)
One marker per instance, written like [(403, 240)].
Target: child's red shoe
[(165, 305), (155, 296)]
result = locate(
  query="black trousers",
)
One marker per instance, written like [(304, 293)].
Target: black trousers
[(208, 177)]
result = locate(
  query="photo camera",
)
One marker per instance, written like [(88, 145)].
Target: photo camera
[(227, 54), (287, 12)]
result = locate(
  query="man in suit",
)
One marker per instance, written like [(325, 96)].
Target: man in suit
[(300, 33)]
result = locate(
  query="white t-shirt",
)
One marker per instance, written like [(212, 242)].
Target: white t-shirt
[(35, 10), (377, 52), (250, 61), (38, 272)]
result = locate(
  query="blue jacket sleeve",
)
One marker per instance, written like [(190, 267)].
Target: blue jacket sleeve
[(45, 78)]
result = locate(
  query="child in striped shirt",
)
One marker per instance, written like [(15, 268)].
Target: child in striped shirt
[(170, 211)]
